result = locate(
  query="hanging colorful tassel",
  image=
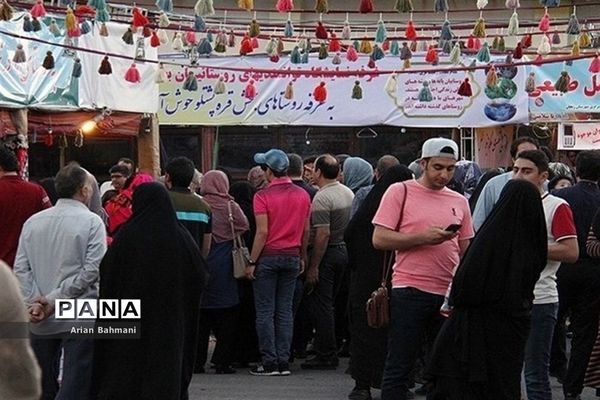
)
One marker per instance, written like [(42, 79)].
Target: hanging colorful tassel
[(231, 39), (48, 61), (323, 53), (322, 7), (191, 83), (85, 27), (432, 56), (544, 48), (105, 67), (38, 10), (221, 42), (527, 41), (481, 4), (377, 53), (346, 30), (544, 24), (247, 5), (550, 3), (555, 38), (220, 86), (160, 76), (320, 93), (166, 6), (128, 36), (19, 56), (351, 54), (76, 72), (411, 31), (446, 32), (254, 42), (465, 88), (204, 47), (27, 25), (334, 43), (191, 38), (562, 84), (391, 85), (446, 46), (440, 5), (530, 83), (53, 28), (573, 27), (385, 46), (103, 30), (199, 24), (479, 28), (357, 92), (594, 67), (404, 6), (365, 46), (204, 8), (585, 40), (154, 40), (177, 42), (6, 11), (513, 24), (280, 46), (518, 51), (288, 94), (356, 44), (246, 46), (512, 4), (366, 6), (35, 23), (140, 48), (133, 75), (491, 78), (337, 59), (285, 5), (138, 19), (425, 93), (483, 55), (289, 29), (395, 47), (381, 32), (146, 32), (295, 57), (250, 91), (405, 55), (501, 44), (102, 15), (320, 31), (254, 29), (455, 54), (371, 63), (163, 20)]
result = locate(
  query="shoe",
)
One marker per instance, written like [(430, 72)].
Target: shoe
[(225, 370), (320, 363), (284, 369), (359, 394), (265, 370)]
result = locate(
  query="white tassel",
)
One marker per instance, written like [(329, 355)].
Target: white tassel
[(391, 85), (178, 42), (204, 8), (513, 24), (163, 20), (161, 74), (481, 4), (544, 48), (162, 36)]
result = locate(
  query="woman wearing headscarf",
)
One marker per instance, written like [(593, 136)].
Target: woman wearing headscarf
[(479, 351), (369, 346), (119, 209), (357, 173), (154, 259), (256, 178), (220, 301)]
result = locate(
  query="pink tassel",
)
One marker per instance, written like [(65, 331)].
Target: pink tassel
[(595, 65), (254, 42), (38, 10), (285, 5), (476, 43), (133, 75), (544, 24), (154, 40), (190, 38), (351, 54), (250, 91)]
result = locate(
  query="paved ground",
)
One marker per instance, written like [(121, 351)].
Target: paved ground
[(301, 385)]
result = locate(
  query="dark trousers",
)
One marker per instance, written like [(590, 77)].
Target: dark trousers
[(414, 315), (222, 321), (579, 294), (77, 367), (322, 300)]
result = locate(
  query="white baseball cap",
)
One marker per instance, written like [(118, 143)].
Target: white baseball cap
[(439, 147)]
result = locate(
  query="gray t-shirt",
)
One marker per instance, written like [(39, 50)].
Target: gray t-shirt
[(331, 207)]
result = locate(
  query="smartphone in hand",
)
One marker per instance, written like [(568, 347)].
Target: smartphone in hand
[(453, 228)]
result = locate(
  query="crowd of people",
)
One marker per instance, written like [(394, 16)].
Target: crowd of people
[(491, 269)]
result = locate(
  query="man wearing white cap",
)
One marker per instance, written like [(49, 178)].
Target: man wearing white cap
[(429, 227)]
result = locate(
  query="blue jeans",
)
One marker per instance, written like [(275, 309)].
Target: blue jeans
[(537, 351), (273, 295), (415, 315), (77, 370)]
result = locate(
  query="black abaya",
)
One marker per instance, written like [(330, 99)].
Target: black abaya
[(480, 348), (153, 258), (368, 347)]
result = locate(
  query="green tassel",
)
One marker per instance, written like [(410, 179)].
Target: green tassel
[(323, 53), (254, 29), (394, 48), (425, 93), (404, 6), (479, 28), (357, 93), (501, 44), (562, 84)]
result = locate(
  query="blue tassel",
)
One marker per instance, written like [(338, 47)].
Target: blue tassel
[(550, 3), (483, 55), (209, 36), (446, 33), (76, 73), (102, 15), (356, 44), (573, 27), (204, 47), (425, 92), (100, 4), (199, 24), (165, 5), (191, 83), (27, 25), (394, 48), (447, 47), (305, 57), (93, 3), (440, 6), (289, 29), (85, 27), (295, 57), (381, 33), (377, 53)]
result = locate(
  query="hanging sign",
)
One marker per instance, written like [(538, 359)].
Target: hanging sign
[(579, 136), (256, 95)]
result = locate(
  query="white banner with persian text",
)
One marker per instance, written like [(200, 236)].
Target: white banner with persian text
[(579, 136), (501, 104)]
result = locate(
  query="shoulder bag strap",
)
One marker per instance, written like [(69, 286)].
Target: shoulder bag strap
[(235, 241), (388, 257)]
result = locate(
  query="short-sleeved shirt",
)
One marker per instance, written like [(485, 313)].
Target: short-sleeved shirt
[(193, 213), (560, 226), (287, 207), (331, 207), (427, 268), (19, 200)]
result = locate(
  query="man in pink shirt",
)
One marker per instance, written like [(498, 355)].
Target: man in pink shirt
[(278, 255), (429, 227)]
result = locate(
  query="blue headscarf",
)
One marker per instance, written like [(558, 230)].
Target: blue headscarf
[(357, 173)]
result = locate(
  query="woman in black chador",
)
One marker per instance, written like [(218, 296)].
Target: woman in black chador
[(368, 347), (479, 351), (152, 258)]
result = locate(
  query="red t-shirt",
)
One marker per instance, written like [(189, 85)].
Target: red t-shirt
[(19, 200)]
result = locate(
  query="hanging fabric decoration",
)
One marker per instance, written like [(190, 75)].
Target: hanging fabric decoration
[(295, 57), (323, 53), (303, 43), (594, 67), (133, 75), (395, 47), (530, 83), (432, 56), (289, 91), (146, 32), (285, 5), (27, 25), (76, 72), (221, 42), (128, 36), (85, 27), (320, 93), (105, 67), (483, 55), (501, 44), (35, 23), (377, 53), (455, 54), (573, 27), (404, 6), (491, 78), (391, 85), (513, 24), (271, 47), (562, 84), (544, 48), (555, 38), (334, 43), (289, 29), (527, 41), (446, 32), (479, 28), (220, 86), (163, 20), (544, 24), (585, 40), (381, 32), (254, 42), (351, 54), (385, 46), (6, 11), (204, 8), (160, 75), (465, 88), (102, 14), (481, 4), (19, 56), (247, 5), (254, 29), (320, 31), (250, 91), (518, 51), (550, 3), (575, 52), (411, 31), (177, 42), (48, 61), (199, 24), (366, 6), (512, 4), (405, 55), (440, 5), (103, 30), (209, 36), (204, 47), (425, 93), (53, 28), (140, 48), (190, 38), (231, 39), (246, 46), (280, 46), (356, 44), (38, 10), (165, 5), (365, 46), (322, 7), (154, 40), (371, 63), (191, 83), (346, 30), (446, 46), (138, 19), (357, 92), (337, 59)]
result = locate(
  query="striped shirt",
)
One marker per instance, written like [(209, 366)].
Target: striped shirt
[(193, 212)]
